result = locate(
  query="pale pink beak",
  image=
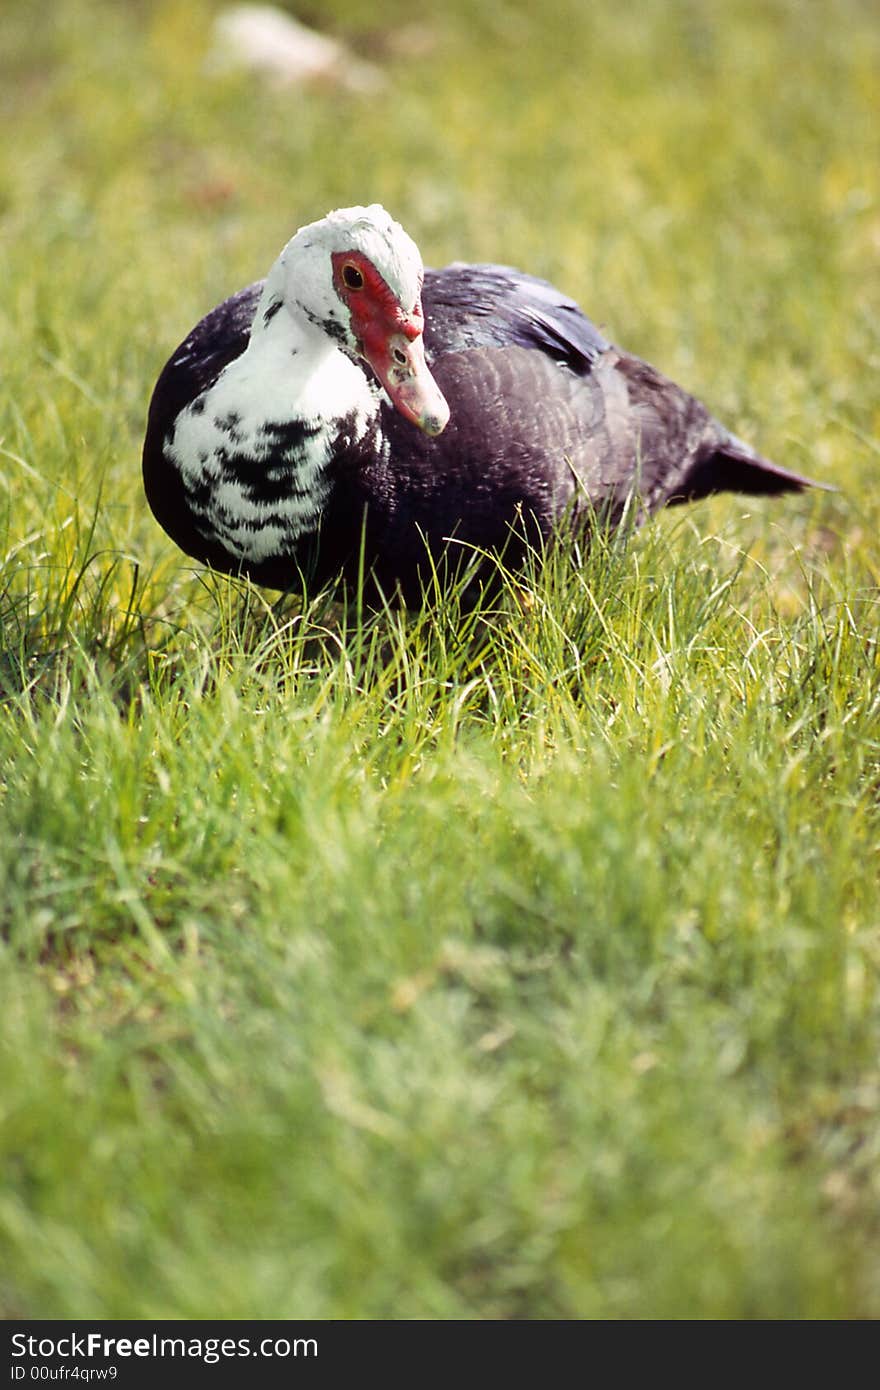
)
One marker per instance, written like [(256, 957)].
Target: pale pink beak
[(391, 341), (401, 367)]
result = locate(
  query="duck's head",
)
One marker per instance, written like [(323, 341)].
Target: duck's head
[(357, 277)]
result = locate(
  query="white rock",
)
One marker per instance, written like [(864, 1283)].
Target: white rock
[(266, 40)]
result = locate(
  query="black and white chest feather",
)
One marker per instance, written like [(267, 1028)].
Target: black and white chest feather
[(254, 451)]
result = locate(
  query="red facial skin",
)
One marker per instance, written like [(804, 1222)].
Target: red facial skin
[(390, 339)]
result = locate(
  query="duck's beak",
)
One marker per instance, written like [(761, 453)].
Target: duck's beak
[(391, 341), (399, 363)]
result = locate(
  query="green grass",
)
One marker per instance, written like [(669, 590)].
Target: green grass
[(520, 963)]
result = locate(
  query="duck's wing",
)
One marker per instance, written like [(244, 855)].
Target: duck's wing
[(474, 306), (220, 337)]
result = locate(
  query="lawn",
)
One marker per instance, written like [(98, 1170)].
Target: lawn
[(517, 963)]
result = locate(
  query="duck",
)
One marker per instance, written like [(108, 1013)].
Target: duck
[(355, 419)]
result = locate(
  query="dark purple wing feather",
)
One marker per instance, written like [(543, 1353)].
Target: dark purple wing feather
[(470, 306), (220, 337)]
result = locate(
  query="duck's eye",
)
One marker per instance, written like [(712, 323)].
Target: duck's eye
[(352, 277)]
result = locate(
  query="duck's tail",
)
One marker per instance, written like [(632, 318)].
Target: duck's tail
[(733, 466)]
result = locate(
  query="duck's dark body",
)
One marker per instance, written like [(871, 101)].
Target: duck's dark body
[(546, 417)]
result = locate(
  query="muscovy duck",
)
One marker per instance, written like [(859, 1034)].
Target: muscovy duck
[(356, 415)]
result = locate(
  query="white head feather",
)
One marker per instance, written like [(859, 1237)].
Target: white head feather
[(302, 276)]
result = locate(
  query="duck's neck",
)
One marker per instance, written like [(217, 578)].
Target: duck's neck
[(255, 450)]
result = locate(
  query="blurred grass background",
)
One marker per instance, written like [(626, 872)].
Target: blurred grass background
[(514, 965)]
